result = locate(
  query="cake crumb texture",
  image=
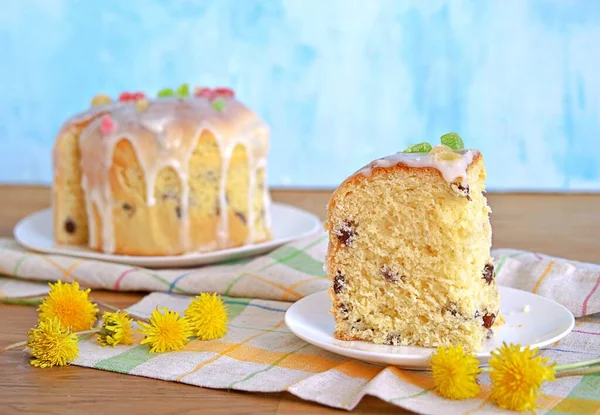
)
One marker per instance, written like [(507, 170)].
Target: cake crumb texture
[(409, 258)]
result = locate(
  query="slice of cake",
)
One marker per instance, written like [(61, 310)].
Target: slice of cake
[(409, 250), (182, 172)]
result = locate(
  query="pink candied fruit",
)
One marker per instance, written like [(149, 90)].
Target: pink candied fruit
[(107, 125), (205, 93)]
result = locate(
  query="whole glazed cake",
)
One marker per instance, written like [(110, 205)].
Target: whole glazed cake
[(409, 250), (183, 172)]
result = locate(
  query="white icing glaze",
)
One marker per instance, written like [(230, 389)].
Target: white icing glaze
[(165, 135), (450, 170)]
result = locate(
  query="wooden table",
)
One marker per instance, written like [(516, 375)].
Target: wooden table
[(561, 225)]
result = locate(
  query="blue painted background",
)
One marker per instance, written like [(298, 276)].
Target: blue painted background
[(340, 82)]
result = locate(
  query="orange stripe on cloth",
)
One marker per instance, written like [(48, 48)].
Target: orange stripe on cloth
[(251, 354), (358, 370), (542, 277), (67, 272), (414, 378), (479, 407), (286, 290), (296, 285), (227, 351), (577, 406)]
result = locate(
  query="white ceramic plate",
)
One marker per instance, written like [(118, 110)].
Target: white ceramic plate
[(544, 323), (288, 223)]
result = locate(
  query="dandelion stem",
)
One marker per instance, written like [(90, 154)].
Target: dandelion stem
[(83, 333), (577, 365), (579, 372), (114, 309), (13, 346), (106, 306), (29, 301)]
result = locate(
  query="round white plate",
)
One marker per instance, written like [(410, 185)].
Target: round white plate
[(544, 323), (287, 224)]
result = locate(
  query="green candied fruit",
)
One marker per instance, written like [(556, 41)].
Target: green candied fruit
[(183, 90), (167, 92), (453, 141), (418, 148), (218, 104)]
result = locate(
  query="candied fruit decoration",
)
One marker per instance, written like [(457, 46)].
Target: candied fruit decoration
[(205, 93), (390, 275), (393, 339), (129, 209), (453, 141), (447, 156), (166, 92), (338, 282), (107, 125), (142, 105), (488, 320), (461, 189), (224, 92), (488, 273), (452, 308), (136, 96), (218, 104), (241, 217), (70, 226), (125, 96), (100, 99), (440, 148), (183, 91), (346, 233), (418, 148)]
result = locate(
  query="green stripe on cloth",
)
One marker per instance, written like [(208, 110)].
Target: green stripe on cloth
[(582, 400), (271, 366), (414, 395), (126, 361), (235, 307), (236, 261), (299, 260), (287, 258)]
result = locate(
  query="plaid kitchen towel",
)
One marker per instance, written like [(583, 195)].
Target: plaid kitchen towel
[(260, 354)]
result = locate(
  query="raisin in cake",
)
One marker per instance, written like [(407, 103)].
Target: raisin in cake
[(409, 251), (165, 176)]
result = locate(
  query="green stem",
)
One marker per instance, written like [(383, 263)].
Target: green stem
[(579, 372), (31, 301), (577, 365), (113, 309)]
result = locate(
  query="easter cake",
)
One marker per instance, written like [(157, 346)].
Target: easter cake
[(183, 172), (409, 250)]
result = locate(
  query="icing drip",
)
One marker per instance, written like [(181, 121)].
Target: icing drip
[(165, 135), (450, 169)]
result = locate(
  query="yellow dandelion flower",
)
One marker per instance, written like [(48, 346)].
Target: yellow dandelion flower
[(166, 332), (51, 344), (455, 373), (517, 376), (208, 316), (71, 305), (116, 329)]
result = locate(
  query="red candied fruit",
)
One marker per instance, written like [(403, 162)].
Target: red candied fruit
[(225, 92), (131, 96), (212, 94)]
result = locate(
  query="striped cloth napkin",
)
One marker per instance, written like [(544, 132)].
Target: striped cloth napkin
[(259, 353)]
